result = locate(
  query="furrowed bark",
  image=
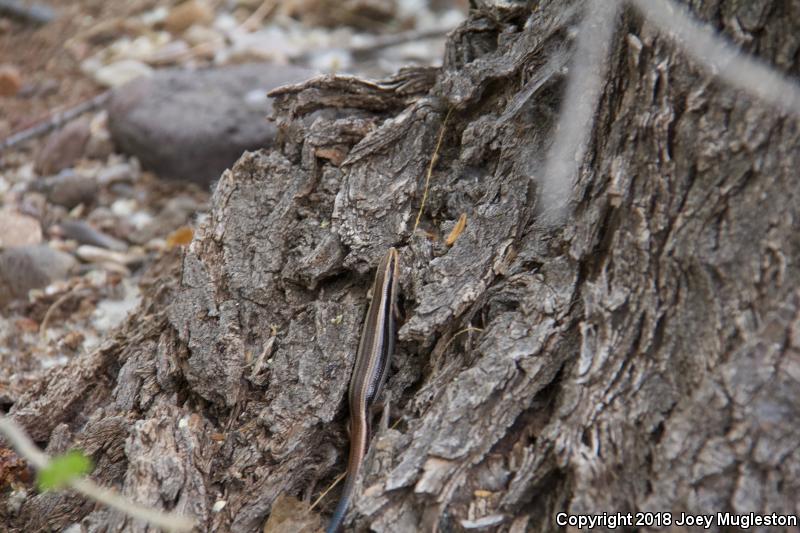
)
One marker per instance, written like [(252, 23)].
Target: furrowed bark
[(641, 355)]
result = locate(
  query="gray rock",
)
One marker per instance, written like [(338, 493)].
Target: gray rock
[(17, 229), (64, 147), (84, 233), (119, 172), (67, 188), (23, 268), (192, 125)]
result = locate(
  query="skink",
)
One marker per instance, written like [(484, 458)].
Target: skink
[(372, 360)]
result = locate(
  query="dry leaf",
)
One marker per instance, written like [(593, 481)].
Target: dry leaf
[(457, 229), (289, 515), (180, 237)]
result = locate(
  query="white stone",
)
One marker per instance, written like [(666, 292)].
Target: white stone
[(121, 72), (218, 506)]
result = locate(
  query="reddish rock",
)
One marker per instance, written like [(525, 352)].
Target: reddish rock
[(185, 15), (10, 80), (64, 147), (17, 229)]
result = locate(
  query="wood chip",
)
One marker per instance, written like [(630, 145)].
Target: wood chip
[(457, 229)]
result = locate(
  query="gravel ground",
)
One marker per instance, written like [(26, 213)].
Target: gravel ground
[(83, 224)]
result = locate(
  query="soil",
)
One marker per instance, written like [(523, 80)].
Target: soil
[(48, 57)]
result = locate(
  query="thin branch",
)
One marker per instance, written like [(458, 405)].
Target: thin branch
[(54, 121), (720, 57), (168, 521), (457, 333), (22, 443), (326, 491), (430, 170), (257, 17), (52, 309)]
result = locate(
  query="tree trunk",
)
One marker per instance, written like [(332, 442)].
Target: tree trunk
[(641, 355)]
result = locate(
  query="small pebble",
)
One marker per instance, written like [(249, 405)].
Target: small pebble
[(187, 14), (140, 220), (176, 213), (82, 232), (218, 506), (119, 172), (10, 80), (123, 207), (107, 267), (21, 174), (156, 245), (121, 72), (95, 254), (270, 44), (140, 48), (28, 325), (154, 16), (23, 268), (17, 229), (168, 54), (110, 313), (71, 341), (99, 146), (123, 190), (196, 35), (64, 147), (332, 60), (15, 500), (68, 189)]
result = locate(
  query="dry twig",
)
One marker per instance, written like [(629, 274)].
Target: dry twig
[(20, 441)]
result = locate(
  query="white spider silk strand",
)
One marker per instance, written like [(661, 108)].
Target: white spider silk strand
[(720, 57), (586, 77)]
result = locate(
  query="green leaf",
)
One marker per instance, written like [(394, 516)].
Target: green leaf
[(63, 469)]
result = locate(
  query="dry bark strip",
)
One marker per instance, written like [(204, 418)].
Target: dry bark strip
[(644, 355)]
